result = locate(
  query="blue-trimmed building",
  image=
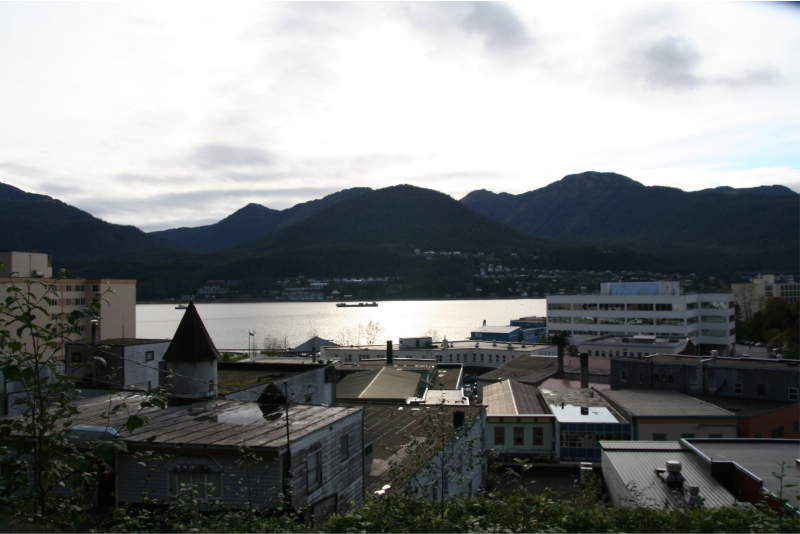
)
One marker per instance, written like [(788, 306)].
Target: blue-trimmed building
[(583, 419), (504, 334)]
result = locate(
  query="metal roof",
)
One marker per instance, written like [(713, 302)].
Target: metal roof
[(511, 397), (387, 382), (391, 428), (528, 369), (636, 469), (663, 403), (218, 423), (496, 329)]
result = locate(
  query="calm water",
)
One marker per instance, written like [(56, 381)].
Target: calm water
[(295, 322)]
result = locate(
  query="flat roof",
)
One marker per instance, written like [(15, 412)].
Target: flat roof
[(751, 363), (663, 403), (745, 407), (761, 457), (217, 423), (496, 329), (580, 406), (386, 382)]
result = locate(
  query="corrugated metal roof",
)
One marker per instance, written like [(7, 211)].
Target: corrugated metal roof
[(213, 424), (642, 445), (636, 469), (352, 385)]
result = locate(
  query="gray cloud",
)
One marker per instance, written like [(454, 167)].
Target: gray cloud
[(670, 62), (497, 23), (759, 75), (20, 170), (211, 156), (160, 181)]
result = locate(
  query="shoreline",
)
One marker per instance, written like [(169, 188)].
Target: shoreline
[(331, 301)]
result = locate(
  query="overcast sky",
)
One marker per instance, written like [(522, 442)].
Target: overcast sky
[(176, 114)]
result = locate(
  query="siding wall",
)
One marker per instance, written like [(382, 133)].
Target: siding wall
[(256, 480), (341, 477), (137, 369)]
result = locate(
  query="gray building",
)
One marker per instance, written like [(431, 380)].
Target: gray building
[(315, 459), (768, 379), (120, 364)]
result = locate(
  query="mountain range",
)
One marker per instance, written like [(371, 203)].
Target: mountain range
[(574, 223)]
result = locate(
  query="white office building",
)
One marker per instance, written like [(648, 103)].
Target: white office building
[(658, 309)]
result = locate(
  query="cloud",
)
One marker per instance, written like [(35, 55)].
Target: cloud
[(211, 156), (499, 26), (669, 62), (158, 181), (20, 170)]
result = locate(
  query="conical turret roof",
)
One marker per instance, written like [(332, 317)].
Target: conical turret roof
[(191, 342)]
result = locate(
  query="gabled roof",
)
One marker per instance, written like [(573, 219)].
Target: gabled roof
[(191, 342), (315, 342), (510, 397)]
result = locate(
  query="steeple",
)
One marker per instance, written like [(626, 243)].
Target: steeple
[(191, 342)]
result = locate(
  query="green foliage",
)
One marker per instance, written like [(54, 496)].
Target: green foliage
[(49, 478)]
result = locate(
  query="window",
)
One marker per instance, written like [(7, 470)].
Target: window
[(538, 436), (81, 328), (54, 302), (308, 398), (737, 388), (671, 379), (53, 316), (687, 436), (640, 307), (717, 305), (792, 393), (68, 287), (623, 376), (68, 302), (499, 435), (344, 446), (760, 390), (80, 302), (96, 288), (314, 470), (777, 433), (76, 357), (659, 437), (558, 306), (204, 485), (715, 436), (656, 377), (519, 435), (80, 287)]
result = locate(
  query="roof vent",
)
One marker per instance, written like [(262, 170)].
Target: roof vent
[(672, 474), (691, 496)]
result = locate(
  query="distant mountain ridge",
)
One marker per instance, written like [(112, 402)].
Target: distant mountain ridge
[(39, 223), (250, 222), (609, 207)]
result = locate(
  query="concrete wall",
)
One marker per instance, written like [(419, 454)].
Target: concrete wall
[(676, 428)]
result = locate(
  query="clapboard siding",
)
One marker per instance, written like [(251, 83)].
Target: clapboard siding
[(248, 479), (341, 477)]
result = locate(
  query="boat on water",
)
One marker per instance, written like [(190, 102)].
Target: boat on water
[(181, 307), (359, 305)]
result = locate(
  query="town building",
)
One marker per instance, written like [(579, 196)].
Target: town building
[(766, 379), (709, 473), (517, 423), (314, 459), (483, 354), (497, 333), (661, 415), (118, 363), (433, 452), (750, 297), (534, 329), (658, 309), (305, 383), (116, 316), (611, 346)]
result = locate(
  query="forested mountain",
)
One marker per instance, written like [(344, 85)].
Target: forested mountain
[(608, 207), (401, 217), (39, 223), (250, 222)]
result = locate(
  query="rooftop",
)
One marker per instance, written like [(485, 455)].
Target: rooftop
[(391, 428), (497, 329), (510, 397), (528, 369), (384, 382), (662, 403), (213, 424), (635, 463), (130, 341), (580, 406)]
